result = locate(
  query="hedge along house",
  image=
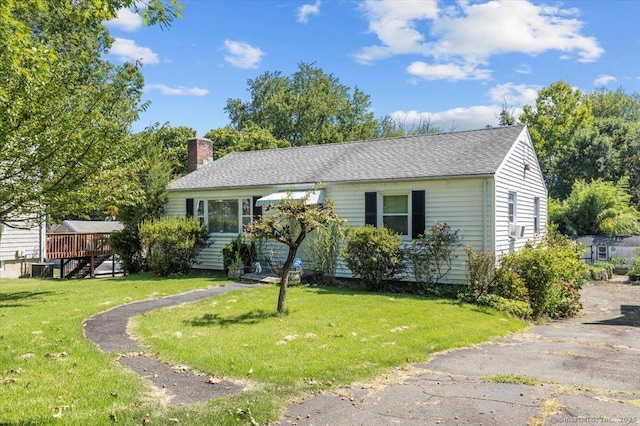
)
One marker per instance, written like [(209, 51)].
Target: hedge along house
[(486, 183)]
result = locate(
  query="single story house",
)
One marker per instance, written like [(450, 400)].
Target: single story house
[(599, 248), (486, 183), (21, 244)]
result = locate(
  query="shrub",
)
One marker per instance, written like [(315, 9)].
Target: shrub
[(481, 271), (635, 269), (554, 260), (373, 254), (431, 254), (324, 247), (172, 244), (485, 279), (510, 285), (236, 250), (563, 300), (517, 308), (126, 244)]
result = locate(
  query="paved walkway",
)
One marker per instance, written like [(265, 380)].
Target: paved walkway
[(175, 384), (582, 370), (585, 370)]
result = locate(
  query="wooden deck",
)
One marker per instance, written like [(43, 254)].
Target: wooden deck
[(67, 245), (80, 253)]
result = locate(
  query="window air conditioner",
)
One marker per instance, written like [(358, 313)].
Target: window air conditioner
[(516, 231)]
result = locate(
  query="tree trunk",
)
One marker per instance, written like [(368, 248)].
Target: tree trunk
[(284, 280)]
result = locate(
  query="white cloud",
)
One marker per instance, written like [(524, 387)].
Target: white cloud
[(242, 55), (176, 91), (307, 10), (524, 69), (394, 22), (604, 79), (497, 27), (514, 94), (126, 49), (447, 71), (126, 20), (472, 33)]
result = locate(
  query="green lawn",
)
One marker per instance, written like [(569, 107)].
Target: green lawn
[(50, 373)]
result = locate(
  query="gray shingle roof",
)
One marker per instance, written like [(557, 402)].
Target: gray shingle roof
[(467, 153), (603, 240), (88, 226)]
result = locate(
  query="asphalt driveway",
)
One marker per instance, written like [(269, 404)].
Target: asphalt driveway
[(582, 370)]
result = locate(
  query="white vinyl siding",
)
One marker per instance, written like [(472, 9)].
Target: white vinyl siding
[(14, 240), (458, 202), (16, 244), (512, 177)]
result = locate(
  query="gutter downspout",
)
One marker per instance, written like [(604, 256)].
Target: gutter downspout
[(485, 215)]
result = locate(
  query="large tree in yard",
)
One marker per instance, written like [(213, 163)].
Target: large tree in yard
[(308, 108), (597, 207), (65, 111), (559, 113), (290, 223)]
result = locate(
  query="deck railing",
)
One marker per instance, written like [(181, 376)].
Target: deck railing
[(65, 245)]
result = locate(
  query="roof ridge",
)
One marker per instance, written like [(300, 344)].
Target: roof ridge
[(367, 141)]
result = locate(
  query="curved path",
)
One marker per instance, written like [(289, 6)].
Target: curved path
[(179, 386), (581, 370)]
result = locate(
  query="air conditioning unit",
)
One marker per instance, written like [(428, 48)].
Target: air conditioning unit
[(516, 231)]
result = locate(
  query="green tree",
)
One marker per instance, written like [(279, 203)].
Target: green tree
[(560, 112), (174, 144), (227, 139), (598, 207), (146, 182), (64, 109), (308, 108), (506, 117), (291, 222)]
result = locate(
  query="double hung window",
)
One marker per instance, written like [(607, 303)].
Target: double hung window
[(395, 213), (513, 205)]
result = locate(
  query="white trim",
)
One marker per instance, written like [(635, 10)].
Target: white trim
[(205, 213), (512, 217)]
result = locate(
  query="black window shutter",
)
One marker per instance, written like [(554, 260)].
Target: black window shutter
[(417, 213), (257, 210), (189, 207), (371, 208)]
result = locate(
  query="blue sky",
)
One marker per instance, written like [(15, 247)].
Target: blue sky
[(450, 62)]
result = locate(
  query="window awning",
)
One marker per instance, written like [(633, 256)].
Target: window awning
[(315, 197)]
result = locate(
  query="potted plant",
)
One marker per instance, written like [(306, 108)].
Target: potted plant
[(634, 272)]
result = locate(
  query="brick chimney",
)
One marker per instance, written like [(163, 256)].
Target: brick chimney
[(198, 151)]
